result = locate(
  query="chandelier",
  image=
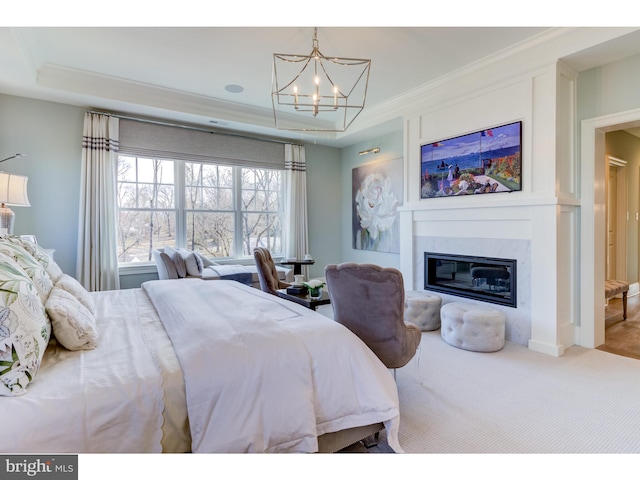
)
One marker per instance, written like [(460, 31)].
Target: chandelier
[(317, 93)]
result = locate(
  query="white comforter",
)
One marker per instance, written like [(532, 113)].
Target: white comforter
[(266, 375), (126, 396)]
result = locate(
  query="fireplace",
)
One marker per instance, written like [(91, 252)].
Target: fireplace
[(480, 278)]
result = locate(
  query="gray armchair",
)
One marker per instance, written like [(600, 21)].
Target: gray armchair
[(369, 301), (267, 271)]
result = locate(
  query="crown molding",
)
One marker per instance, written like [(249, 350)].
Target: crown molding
[(532, 55)]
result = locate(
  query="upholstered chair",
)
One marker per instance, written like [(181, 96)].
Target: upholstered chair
[(369, 300), (267, 272)]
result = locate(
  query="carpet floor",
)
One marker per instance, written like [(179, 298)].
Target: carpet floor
[(516, 401)]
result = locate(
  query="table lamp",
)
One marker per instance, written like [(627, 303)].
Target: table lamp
[(13, 191)]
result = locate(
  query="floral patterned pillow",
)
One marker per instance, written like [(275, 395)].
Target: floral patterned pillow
[(44, 259), (30, 265), (24, 328), (41, 256)]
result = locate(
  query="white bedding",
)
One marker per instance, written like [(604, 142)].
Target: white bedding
[(129, 394), (117, 398), (266, 375)]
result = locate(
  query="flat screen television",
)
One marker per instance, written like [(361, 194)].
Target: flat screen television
[(487, 161)]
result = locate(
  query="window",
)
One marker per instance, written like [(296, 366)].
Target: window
[(219, 211)]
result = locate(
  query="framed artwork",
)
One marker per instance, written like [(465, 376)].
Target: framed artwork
[(488, 161), (377, 193)]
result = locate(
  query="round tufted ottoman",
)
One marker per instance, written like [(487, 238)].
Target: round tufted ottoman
[(422, 309), (472, 327)]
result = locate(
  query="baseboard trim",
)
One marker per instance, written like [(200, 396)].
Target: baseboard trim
[(548, 349)]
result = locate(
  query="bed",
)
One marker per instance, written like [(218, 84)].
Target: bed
[(223, 367)]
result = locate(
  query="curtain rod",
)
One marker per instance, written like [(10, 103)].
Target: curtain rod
[(188, 127)]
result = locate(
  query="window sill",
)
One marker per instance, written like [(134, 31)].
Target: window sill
[(138, 268), (145, 268)]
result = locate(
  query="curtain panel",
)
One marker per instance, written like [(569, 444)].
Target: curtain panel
[(296, 241), (97, 262)]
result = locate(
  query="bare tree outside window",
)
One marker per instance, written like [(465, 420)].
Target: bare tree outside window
[(227, 211), (146, 207), (261, 207)]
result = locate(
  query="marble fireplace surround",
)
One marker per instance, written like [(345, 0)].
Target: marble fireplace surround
[(518, 320)]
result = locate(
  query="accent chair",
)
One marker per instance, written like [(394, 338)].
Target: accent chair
[(267, 271), (369, 301)]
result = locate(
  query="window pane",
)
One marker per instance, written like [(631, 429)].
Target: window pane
[(126, 169), (140, 232), (210, 234), (146, 202), (262, 217), (153, 170), (261, 230), (208, 187)]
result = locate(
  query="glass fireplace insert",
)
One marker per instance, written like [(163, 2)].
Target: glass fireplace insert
[(481, 278)]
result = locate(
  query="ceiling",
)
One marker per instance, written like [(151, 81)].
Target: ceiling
[(179, 74)]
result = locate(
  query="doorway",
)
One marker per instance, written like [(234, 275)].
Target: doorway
[(593, 221), (617, 216)]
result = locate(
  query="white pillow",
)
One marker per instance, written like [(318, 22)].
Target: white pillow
[(206, 262), (177, 260), (169, 266), (75, 288), (193, 263), (24, 329), (74, 326)]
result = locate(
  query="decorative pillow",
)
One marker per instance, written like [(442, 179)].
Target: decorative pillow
[(178, 261), (41, 256), (30, 265), (75, 288), (169, 266), (74, 326), (24, 329), (199, 261), (207, 262), (192, 263)]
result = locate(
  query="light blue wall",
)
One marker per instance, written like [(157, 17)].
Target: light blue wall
[(51, 135), (324, 200), (391, 147)]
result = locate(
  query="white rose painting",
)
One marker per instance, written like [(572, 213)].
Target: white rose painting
[(377, 194)]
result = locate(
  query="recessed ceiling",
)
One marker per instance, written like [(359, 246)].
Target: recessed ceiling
[(209, 75)]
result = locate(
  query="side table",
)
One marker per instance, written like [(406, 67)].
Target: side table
[(305, 300), (297, 265)]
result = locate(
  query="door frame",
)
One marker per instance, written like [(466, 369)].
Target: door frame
[(592, 222)]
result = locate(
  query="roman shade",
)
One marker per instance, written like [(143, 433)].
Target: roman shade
[(147, 139)]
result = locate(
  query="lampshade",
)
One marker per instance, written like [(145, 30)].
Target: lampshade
[(13, 190)]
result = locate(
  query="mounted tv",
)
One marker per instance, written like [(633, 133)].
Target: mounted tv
[(487, 161)]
